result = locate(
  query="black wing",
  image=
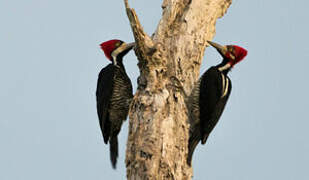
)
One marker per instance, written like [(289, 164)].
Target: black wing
[(211, 102), (104, 94)]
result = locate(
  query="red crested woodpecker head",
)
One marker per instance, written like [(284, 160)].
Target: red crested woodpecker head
[(233, 53), (109, 46), (116, 49)]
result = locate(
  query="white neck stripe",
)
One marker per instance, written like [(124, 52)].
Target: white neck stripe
[(117, 51), (225, 67), (225, 85)]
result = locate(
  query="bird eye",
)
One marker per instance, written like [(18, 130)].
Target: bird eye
[(231, 50), (117, 44)]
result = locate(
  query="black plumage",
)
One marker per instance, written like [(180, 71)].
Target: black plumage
[(114, 95), (214, 88), (210, 95)]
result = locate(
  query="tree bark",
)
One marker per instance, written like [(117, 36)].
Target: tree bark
[(159, 114)]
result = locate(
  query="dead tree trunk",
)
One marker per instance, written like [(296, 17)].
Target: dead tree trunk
[(157, 145)]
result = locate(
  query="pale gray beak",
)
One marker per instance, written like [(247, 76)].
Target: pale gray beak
[(221, 49), (124, 47), (130, 45)]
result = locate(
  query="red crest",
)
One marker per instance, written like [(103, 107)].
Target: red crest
[(108, 47), (239, 53)]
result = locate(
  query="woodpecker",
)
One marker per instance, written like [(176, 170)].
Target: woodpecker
[(211, 94), (113, 94)]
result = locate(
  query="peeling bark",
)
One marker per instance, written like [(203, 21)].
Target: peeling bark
[(159, 125)]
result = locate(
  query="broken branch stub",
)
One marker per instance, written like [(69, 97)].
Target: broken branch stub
[(146, 47)]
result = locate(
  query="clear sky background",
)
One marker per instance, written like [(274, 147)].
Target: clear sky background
[(50, 59)]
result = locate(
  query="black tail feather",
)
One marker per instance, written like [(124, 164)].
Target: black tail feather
[(113, 148), (204, 138), (193, 141), (192, 146)]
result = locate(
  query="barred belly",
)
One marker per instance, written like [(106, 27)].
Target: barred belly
[(120, 100)]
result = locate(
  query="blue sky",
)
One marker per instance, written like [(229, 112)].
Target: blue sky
[(49, 64)]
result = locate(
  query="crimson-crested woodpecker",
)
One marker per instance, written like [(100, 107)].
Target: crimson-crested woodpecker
[(211, 94), (114, 94)]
